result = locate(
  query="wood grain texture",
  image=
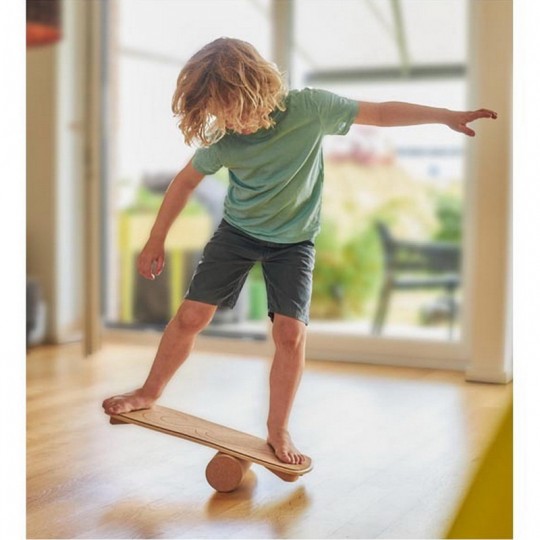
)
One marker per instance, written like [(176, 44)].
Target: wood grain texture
[(225, 472), (393, 448), (229, 441)]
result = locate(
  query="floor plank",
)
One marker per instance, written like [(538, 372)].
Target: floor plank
[(392, 449)]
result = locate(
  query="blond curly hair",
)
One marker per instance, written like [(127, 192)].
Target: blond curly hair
[(226, 85)]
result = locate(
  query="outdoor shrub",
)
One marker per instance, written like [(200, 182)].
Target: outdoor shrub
[(449, 214), (346, 274)]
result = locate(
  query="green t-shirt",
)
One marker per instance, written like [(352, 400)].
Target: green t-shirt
[(276, 174)]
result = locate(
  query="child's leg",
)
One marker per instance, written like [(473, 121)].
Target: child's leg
[(175, 346), (289, 337)]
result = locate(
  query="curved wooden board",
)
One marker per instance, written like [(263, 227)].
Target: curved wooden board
[(226, 440)]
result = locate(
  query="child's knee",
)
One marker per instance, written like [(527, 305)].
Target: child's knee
[(194, 316), (288, 333)]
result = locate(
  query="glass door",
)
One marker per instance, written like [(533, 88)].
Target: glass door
[(148, 43), (388, 277)]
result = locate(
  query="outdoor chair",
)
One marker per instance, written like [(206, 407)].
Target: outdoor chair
[(438, 262)]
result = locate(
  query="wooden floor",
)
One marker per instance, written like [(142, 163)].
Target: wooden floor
[(392, 449)]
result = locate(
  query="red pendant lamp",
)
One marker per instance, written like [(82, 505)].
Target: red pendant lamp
[(43, 22)]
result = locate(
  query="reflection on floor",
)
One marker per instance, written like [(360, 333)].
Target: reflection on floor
[(392, 449), (257, 330)]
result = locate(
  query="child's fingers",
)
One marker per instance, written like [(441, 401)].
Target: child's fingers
[(490, 113), (144, 267), (160, 263), (467, 130), (483, 113), (156, 267), (150, 263)]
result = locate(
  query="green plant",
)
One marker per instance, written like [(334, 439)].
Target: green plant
[(346, 274), (362, 272), (257, 293), (326, 271), (449, 215)]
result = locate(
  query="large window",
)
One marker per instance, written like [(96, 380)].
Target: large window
[(389, 256), (389, 253), (147, 47)]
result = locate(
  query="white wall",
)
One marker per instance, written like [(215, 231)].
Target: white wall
[(54, 176), (41, 204), (69, 176), (490, 184)]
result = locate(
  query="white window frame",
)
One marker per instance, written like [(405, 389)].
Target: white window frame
[(484, 352)]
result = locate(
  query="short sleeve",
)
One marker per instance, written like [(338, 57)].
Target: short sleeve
[(206, 160), (337, 113)]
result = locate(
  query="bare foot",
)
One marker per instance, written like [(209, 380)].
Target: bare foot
[(283, 447), (130, 401)]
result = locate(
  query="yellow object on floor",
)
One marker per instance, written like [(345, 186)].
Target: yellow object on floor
[(487, 508)]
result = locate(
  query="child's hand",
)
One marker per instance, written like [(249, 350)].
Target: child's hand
[(152, 255), (458, 120)]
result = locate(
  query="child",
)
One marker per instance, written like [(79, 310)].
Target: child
[(234, 103)]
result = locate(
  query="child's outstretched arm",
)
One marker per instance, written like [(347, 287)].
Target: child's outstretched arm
[(396, 113), (176, 197)]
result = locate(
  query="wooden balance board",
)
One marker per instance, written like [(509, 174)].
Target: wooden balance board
[(236, 450)]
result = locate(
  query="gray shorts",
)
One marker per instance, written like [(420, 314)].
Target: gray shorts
[(230, 254)]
